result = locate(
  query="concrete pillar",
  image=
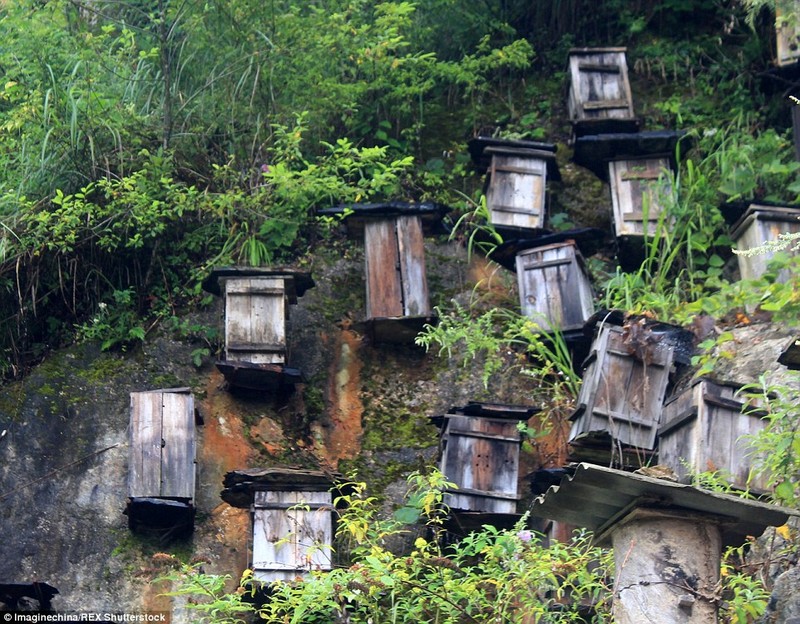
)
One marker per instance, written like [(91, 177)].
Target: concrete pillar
[(667, 565)]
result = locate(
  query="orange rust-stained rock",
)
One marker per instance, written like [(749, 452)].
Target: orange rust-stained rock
[(495, 284), (225, 446), (342, 439), (269, 434)]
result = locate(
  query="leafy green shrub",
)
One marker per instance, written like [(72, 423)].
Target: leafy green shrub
[(776, 449), (490, 575)]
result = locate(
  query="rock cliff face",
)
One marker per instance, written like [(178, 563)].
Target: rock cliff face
[(364, 409)]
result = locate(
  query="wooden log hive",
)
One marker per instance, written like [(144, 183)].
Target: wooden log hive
[(397, 300), (787, 32), (516, 187), (704, 428), (554, 287), (256, 303), (292, 519), (292, 534)]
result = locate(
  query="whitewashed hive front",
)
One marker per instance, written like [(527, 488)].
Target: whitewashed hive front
[(255, 319), (554, 287), (638, 189), (256, 316), (292, 534), (292, 513), (517, 175), (787, 32)]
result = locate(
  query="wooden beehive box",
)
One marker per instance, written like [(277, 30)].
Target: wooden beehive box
[(397, 299), (599, 99), (554, 287), (256, 303), (292, 512), (516, 187), (760, 223), (292, 533), (480, 454), (256, 312), (703, 429), (161, 472), (635, 187), (624, 383), (787, 32)]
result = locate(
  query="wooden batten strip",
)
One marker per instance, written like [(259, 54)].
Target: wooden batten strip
[(254, 346), (514, 209), (599, 67), (480, 434), (603, 104), (623, 419), (647, 174), (483, 494)]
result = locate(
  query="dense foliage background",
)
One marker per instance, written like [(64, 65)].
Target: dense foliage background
[(143, 142)]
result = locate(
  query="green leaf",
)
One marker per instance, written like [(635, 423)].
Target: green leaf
[(784, 491), (407, 515)]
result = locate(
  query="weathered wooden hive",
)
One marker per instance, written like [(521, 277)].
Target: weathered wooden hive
[(256, 316), (599, 99), (397, 300), (161, 472), (480, 454), (762, 222), (637, 188), (624, 383), (293, 519), (516, 182), (705, 428), (787, 32), (554, 286), (635, 166)]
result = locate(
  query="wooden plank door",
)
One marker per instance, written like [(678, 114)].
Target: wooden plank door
[(255, 320), (516, 194), (178, 446), (553, 288), (384, 289), (481, 456), (411, 252), (144, 470), (624, 395), (600, 88), (292, 533), (395, 267), (162, 445), (635, 194)]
